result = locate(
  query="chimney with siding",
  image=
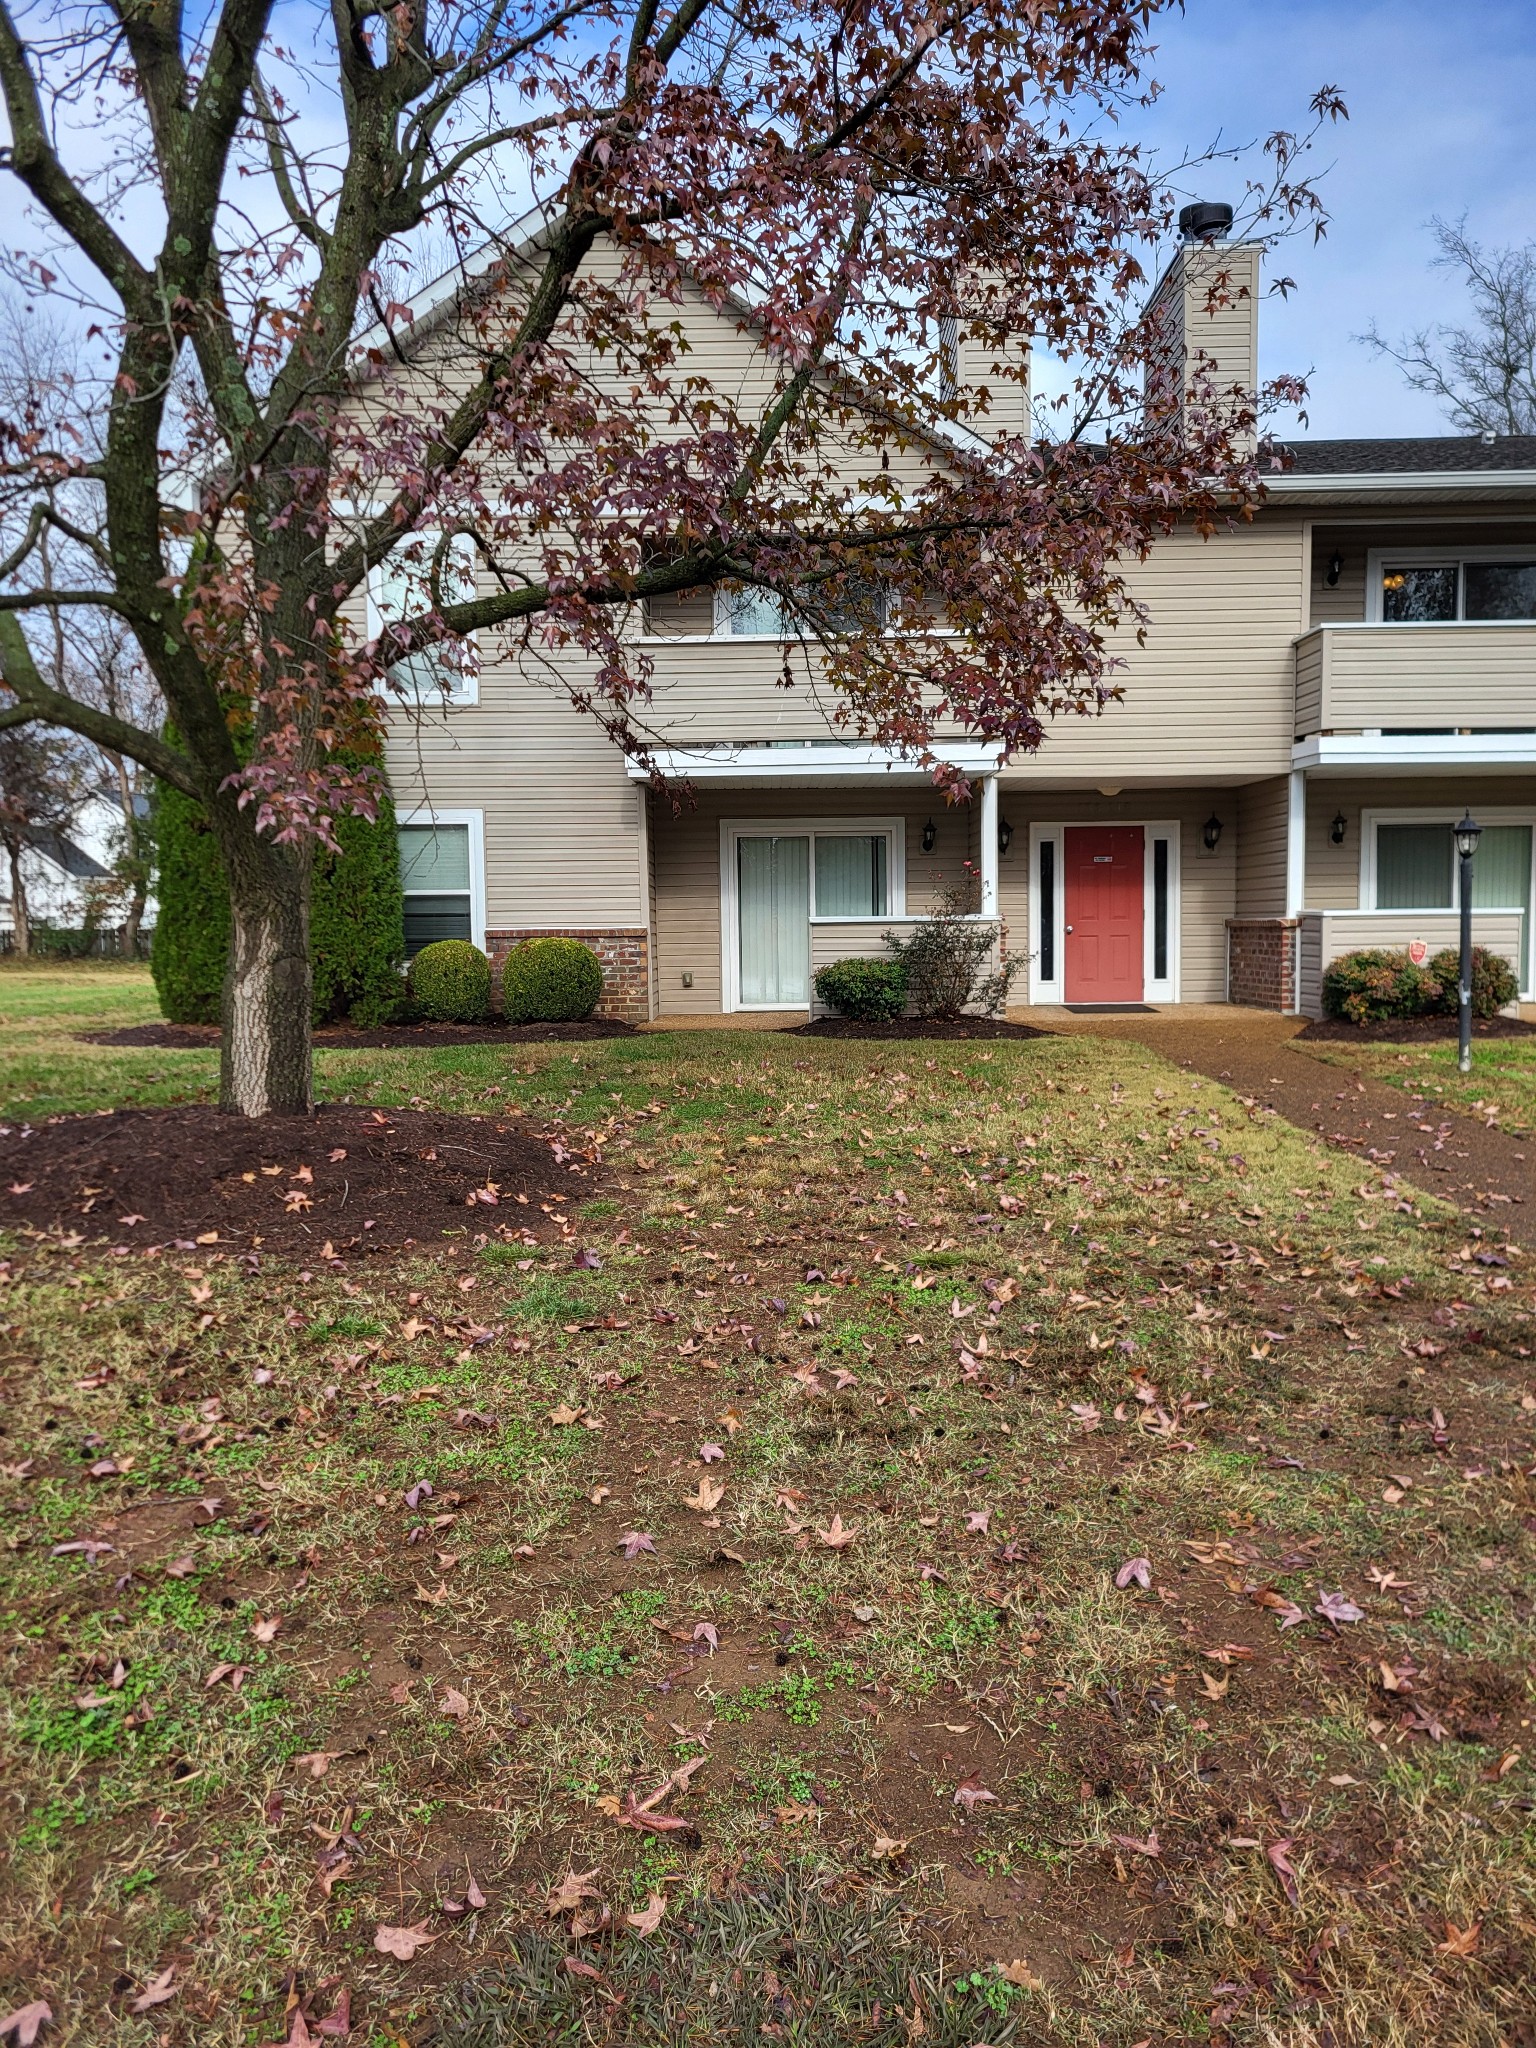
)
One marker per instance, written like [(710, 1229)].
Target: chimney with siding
[(1204, 322), (980, 351)]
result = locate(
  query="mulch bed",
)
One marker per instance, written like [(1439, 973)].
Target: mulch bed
[(356, 1179), (184, 1037), (1413, 1030), (914, 1027)]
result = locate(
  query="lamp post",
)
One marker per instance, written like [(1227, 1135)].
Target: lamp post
[(1467, 835)]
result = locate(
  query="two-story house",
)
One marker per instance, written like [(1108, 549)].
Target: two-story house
[(1323, 691)]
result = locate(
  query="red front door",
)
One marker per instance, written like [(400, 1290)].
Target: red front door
[(1105, 884)]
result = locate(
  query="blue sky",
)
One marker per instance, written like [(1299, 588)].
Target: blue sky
[(1442, 101)]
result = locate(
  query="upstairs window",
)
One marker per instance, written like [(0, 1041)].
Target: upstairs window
[(747, 611), (400, 588), (1420, 591)]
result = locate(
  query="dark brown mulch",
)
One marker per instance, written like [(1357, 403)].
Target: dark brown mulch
[(1413, 1030), (358, 1179), (184, 1037), (914, 1027)]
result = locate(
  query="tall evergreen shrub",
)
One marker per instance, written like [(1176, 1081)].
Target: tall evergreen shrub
[(356, 920)]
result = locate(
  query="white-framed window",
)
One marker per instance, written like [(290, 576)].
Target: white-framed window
[(781, 876), (1448, 586), (748, 612), (1408, 863), (400, 588), (442, 876), (1160, 909)]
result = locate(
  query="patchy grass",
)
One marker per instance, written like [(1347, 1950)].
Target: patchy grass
[(869, 1740), (1499, 1091)]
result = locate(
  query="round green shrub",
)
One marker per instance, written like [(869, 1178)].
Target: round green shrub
[(1371, 987), (550, 981), (1493, 980), (451, 982), (870, 990)]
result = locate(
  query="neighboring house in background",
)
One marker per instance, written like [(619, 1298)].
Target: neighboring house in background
[(60, 868), (1323, 690)]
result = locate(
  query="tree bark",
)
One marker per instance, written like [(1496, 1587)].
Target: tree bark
[(21, 921), (133, 917), (265, 1068)]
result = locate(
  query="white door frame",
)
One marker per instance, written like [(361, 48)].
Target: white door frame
[(1154, 990), (733, 829)]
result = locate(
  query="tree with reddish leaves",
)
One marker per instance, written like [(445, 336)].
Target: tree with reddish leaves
[(874, 194)]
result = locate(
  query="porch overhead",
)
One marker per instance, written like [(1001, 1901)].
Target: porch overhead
[(823, 764)]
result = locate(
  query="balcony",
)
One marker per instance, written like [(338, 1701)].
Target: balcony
[(1417, 680)]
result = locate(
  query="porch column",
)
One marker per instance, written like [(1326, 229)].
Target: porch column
[(989, 846), (1296, 845)]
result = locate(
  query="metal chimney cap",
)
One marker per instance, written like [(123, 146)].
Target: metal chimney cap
[(1205, 220)]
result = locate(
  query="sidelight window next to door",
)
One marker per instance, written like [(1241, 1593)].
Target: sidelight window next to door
[(778, 877)]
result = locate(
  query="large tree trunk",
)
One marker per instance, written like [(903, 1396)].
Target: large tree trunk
[(265, 1069)]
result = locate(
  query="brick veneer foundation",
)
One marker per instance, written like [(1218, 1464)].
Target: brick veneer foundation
[(625, 957), (1261, 962)]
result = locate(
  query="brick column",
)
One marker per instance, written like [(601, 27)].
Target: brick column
[(1261, 962)]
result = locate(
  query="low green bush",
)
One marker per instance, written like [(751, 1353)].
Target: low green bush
[(550, 981), (871, 990), (1493, 980), (451, 982), (1372, 986)]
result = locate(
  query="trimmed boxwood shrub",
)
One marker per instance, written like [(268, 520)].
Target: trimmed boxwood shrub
[(451, 982), (550, 981), (871, 990), (1493, 980), (1372, 986)]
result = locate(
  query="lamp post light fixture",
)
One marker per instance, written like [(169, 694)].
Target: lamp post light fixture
[(1468, 832)]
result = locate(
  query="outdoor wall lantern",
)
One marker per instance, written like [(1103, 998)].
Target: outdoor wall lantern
[(1335, 568), (930, 836), (1338, 828), (1212, 832), (1004, 835)]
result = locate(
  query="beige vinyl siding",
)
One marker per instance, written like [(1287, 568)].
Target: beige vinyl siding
[(564, 827), (1208, 889), (1333, 872), (686, 853), (1462, 676), (1263, 814), (1347, 600)]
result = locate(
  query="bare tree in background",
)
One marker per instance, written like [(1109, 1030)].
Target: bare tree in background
[(87, 654), (1483, 374), (40, 789)]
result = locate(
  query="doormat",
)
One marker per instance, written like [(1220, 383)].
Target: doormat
[(1111, 1009)]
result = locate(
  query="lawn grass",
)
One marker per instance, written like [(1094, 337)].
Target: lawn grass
[(1017, 1316), (1500, 1090)]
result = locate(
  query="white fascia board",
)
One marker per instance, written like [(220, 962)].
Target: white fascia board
[(752, 765), (1289, 483), (1386, 752), (439, 291)]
